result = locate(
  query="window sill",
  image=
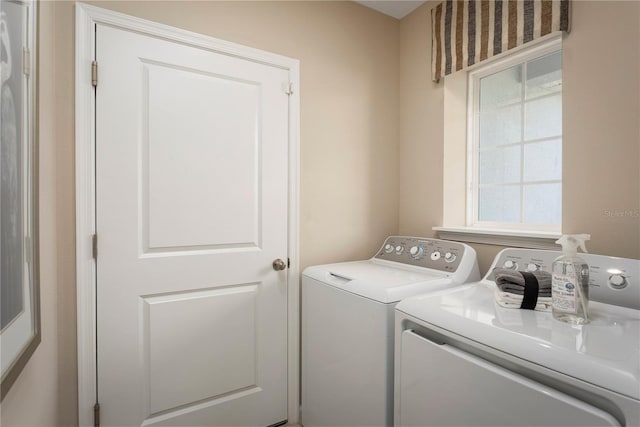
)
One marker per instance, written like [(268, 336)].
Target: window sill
[(513, 238)]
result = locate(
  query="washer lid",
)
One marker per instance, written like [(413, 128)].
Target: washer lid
[(379, 282), (605, 352)]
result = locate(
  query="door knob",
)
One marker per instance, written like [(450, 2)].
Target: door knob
[(279, 265)]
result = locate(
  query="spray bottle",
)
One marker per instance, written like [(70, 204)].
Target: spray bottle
[(570, 281)]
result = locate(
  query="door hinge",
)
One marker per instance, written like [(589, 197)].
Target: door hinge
[(289, 90), (26, 61), (94, 73), (95, 246), (96, 415)]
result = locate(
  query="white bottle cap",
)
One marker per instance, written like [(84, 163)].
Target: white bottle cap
[(570, 243)]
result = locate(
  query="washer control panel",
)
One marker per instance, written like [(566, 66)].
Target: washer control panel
[(437, 254), (612, 280)]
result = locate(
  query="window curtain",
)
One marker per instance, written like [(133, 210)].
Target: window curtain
[(465, 32)]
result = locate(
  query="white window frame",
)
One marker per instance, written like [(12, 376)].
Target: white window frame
[(522, 55)]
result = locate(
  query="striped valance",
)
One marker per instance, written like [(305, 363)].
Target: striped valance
[(465, 32)]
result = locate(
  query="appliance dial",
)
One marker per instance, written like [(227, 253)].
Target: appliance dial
[(618, 281), (532, 267), (449, 257), (510, 265), (416, 252), (399, 249), (435, 256), (388, 248)]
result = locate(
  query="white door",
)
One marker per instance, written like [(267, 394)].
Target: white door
[(191, 184)]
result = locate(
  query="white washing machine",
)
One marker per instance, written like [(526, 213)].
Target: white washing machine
[(347, 326), (462, 360)]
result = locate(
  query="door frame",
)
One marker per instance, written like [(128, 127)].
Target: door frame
[(87, 17)]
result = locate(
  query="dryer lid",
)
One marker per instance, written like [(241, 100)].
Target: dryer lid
[(380, 282), (605, 352)]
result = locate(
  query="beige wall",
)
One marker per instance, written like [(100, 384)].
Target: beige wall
[(601, 75), (349, 133), (421, 130), (371, 144), (44, 394), (601, 69), (32, 400)]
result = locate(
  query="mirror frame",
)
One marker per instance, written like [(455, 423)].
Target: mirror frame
[(29, 196)]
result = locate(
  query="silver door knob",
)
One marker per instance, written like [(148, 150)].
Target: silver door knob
[(279, 265)]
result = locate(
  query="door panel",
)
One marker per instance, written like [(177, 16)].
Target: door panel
[(441, 385), (183, 367), (191, 185), (224, 150)]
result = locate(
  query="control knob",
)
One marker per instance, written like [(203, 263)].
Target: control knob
[(416, 252), (399, 249), (435, 256), (617, 281), (510, 265), (532, 267), (449, 257), (388, 248)]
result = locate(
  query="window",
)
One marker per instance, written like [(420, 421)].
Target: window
[(515, 141)]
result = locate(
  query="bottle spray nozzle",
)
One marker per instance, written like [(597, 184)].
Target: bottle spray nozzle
[(570, 242)]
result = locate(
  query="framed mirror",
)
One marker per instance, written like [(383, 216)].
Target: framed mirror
[(19, 281)]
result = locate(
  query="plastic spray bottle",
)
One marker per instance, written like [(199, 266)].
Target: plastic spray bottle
[(570, 281)]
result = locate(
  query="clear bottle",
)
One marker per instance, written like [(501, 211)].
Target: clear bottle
[(570, 282)]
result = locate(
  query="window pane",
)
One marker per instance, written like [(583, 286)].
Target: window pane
[(543, 117), (499, 127), (544, 75), (499, 166), (517, 122), (499, 204), (543, 203), (501, 88), (543, 161)]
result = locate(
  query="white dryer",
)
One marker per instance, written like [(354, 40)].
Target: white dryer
[(462, 360), (347, 325)]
